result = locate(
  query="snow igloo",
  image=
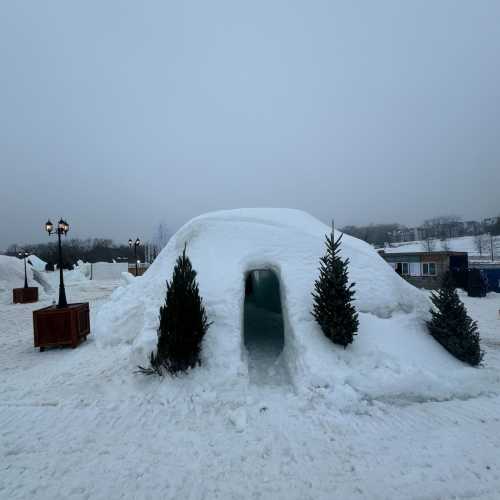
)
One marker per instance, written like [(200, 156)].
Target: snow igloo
[(231, 251)]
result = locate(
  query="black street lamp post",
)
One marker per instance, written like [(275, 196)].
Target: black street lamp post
[(135, 244), (66, 324), (62, 229), (23, 256)]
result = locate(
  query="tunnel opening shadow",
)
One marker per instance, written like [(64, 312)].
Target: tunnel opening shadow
[(264, 335)]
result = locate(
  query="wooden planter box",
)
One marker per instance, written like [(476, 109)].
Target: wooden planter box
[(140, 271), (59, 327), (25, 295)]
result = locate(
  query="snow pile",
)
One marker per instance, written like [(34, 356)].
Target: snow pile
[(126, 278), (392, 356), (84, 268), (36, 263), (42, 279), (108, 270), (12, 276), (77, 276)]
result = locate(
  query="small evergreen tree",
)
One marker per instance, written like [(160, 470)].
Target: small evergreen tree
[(183, 323), (452, 327), (333, 296)]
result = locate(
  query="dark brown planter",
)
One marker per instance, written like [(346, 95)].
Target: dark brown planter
[(58, 327), (140, 271), (25, 295)]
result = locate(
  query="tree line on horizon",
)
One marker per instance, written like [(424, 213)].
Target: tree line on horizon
[(93, 249), (442, 228), (75, 249)]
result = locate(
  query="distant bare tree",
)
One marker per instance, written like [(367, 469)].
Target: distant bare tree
[(428, 239), (444, 226), (495, 228), (160, 239), (483, 243), (478, 243), (495, 247), (429, 243), (162, 235), (375, 234), (11, 250), (489, 246), (445, 242)]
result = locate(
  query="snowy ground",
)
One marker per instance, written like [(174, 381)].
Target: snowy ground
[(79, 424), (459, 244)]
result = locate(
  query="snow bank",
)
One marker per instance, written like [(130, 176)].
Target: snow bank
[(41, 277), (84, 268), (108, 270), (127, 278), (74, 276), (36, 263), (392, 354), (78, 275), (12, 276)]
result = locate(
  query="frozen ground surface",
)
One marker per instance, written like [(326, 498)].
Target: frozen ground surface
[(80, 424)]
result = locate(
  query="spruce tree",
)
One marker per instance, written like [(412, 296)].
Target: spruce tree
[(183, 323), (452, 327), (333, 296)]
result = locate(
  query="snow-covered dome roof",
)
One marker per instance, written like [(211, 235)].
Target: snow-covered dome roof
[(223, 246)]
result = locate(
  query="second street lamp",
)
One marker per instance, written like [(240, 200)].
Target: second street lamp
[(23, 256), (27, 293), (135, 244), (62, 229)]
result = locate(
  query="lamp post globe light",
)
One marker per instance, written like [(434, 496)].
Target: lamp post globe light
[(135, 244), (62, 229)]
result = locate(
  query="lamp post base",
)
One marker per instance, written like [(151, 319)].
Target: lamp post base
[(67, 326), (25, 295)]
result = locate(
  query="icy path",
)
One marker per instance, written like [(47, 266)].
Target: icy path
[(78, 424)]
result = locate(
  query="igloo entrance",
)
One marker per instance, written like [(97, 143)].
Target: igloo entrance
[(264, 336)]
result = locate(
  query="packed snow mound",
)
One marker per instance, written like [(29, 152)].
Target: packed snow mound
[(78, 275), (108, 270), (84, 268), (36, 263), (12, 276), (392, 352)]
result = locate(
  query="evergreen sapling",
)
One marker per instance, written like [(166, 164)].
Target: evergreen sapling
[(183, 323), (333, 296), (452, 327)]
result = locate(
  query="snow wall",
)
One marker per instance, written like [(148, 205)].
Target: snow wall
[(392, 355), (36, 263), (12, 276), (108, 270)]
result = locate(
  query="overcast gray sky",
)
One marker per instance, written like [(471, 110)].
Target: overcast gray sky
[(119, 114)]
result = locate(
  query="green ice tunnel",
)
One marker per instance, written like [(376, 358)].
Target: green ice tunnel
[(263, 324)]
